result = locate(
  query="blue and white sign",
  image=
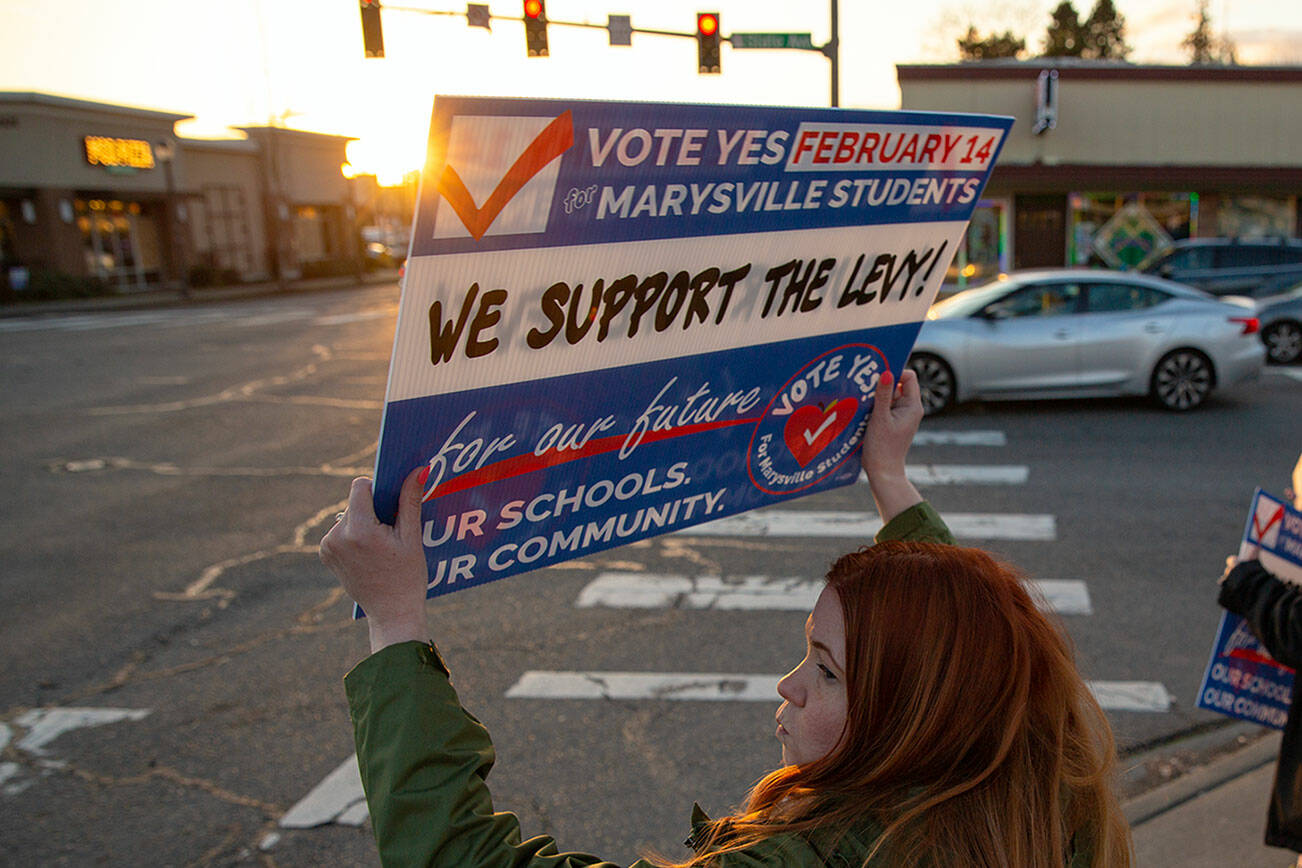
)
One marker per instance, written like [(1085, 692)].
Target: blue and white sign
[(1242, 679), (623, 319)]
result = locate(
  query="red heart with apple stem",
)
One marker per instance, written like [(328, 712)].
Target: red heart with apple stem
[(810, 429)]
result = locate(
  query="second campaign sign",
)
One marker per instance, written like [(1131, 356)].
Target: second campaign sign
[(624, 319)]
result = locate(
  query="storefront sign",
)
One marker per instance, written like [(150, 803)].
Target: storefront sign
[(114, 153), (624, 319), (1242, 679)]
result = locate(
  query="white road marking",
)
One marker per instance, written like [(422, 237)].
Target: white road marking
[(337, 799), (1131, 695), (44, 725), (1294, 373), (862, 525), (960, 438), (1112, 695), (964, 474), (618, 590)]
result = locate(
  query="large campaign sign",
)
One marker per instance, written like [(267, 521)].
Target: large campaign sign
[(1242, 679), (619, 319)]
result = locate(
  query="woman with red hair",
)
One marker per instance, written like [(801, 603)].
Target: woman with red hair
[(937, 718)]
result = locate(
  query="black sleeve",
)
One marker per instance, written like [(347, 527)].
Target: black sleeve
[(1272, 608)]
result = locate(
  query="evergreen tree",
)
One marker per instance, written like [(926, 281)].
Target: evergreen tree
[(1105, 33), (974, 46), (1203, 46), (1066, 36)]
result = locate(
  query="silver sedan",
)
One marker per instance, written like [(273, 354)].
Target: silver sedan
[(1073, 333)]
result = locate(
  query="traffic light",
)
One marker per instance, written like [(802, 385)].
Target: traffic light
[(535, 27), (707, 42), (372, 36)]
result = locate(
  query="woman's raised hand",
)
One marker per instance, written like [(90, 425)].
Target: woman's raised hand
[(897, 412), (382, 567)]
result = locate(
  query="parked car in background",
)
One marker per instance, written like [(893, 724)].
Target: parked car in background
[(1227, 266), (1072, 333), (1281, 325)]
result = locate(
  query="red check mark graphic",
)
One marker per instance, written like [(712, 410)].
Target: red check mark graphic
[(1260, 530), (553, 141)]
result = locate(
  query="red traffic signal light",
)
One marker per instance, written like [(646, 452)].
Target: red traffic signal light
[(535, 27), (372, 35), (707, 42)]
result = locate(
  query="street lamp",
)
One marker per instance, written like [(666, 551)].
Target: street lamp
[(165, 153)]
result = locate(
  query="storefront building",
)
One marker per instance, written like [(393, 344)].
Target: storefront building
[(110, 194), (1109, 163)]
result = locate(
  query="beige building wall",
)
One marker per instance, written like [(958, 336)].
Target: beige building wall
[(224, 192), (1109, 119)]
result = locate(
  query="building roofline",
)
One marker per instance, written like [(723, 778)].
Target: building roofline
[(264, 130), (66, 102), (1094, 70)]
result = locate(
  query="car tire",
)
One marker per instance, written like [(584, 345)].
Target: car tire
[(935, 382), (1283, 342), (1182, 380)]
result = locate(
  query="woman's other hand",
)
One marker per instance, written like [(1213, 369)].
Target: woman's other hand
[(382, 567)]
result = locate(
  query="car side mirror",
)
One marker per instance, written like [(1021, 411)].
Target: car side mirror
[(1166, 270)]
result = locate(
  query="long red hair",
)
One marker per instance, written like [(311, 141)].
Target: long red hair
[(970, 737)]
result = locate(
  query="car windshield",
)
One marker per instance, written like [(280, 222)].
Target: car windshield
[(969, 301)]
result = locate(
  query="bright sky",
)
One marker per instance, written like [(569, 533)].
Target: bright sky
[(240, 62)]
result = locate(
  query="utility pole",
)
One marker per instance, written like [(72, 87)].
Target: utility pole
[(833, 50)]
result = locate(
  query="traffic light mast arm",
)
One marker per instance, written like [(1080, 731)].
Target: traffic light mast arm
[(551, 22)]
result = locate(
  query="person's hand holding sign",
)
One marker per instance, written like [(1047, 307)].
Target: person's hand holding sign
[(897, 412), (381, 567)]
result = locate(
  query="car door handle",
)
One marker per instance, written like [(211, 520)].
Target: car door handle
[(1153, 328), (1062, 334)]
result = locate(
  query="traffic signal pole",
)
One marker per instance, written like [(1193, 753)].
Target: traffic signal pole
[(477, 15)]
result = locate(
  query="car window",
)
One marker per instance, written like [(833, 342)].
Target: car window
[(1191, 258), (1037, 299), (1113, 297), (1244, 256)]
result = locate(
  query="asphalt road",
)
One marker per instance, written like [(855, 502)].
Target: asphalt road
[(168, 474)]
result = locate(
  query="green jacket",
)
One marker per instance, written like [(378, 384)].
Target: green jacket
[(424, 762)]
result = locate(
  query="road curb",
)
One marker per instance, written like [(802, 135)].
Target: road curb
[(166, 298), (1154, 802)]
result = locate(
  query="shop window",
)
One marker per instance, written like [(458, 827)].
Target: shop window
[(120, 241), (1256, 217), (311, 234), (7, 241), (984, 253), (1127, 230)]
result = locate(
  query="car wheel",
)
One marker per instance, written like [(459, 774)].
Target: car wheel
[(1283, 342), (1182, 380), (935, 381)]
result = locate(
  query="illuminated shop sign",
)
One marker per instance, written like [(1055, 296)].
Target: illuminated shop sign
[(119, 153)]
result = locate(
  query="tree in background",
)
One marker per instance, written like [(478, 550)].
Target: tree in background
[(1105, 32), (1203, 46), (1066, 36), (974, 46)]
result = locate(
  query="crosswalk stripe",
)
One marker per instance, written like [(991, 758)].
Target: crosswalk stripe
[(616, 590), (337, 799), (862, 525), (704, 686), (964, 474), (960, 438)]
